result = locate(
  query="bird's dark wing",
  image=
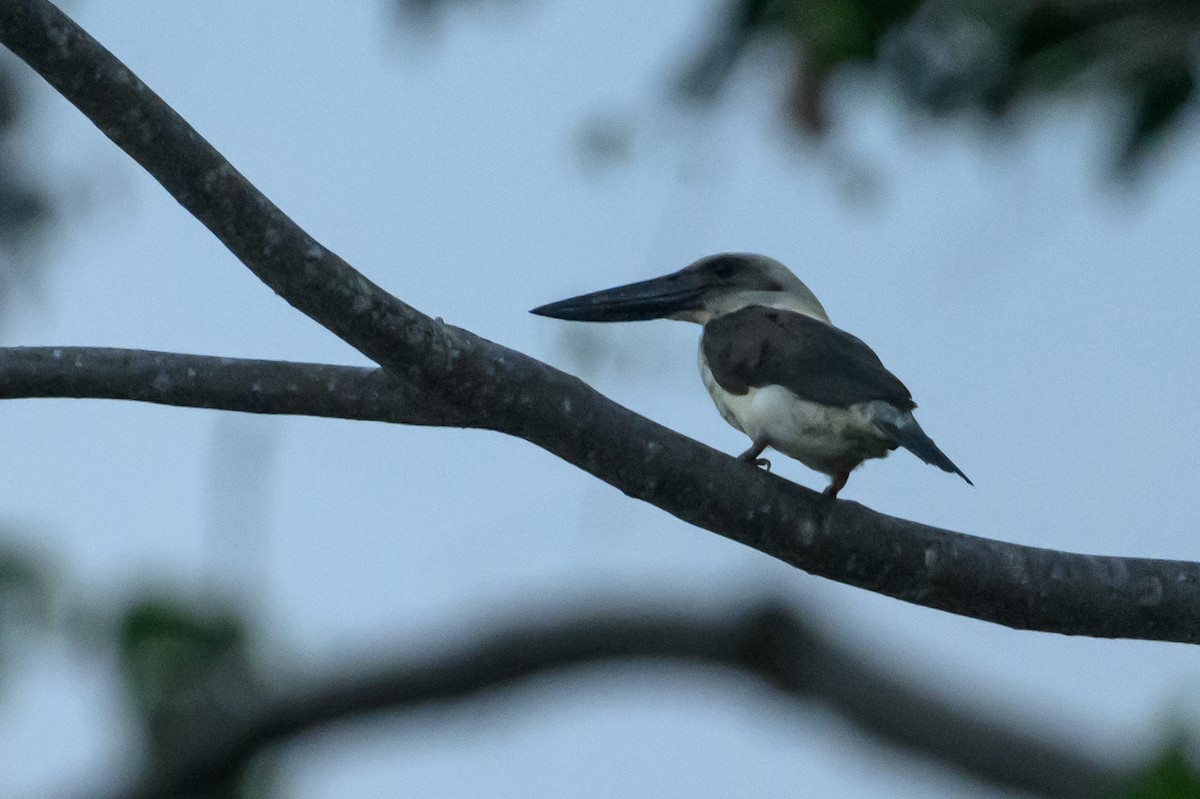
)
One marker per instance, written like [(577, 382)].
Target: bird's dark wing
[(760, 346)]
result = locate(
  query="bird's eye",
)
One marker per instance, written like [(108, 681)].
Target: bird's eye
[(723, 269)]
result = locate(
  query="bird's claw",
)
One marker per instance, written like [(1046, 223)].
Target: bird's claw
[(763, 462)]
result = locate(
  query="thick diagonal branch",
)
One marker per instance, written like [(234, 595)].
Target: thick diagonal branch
[(770, 643), (494, 387)]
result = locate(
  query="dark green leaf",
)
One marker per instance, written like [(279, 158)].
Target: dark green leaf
[(1171, 775), (1161, 97), (168, 648)]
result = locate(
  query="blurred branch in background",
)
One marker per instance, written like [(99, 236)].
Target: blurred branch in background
[(429, 14), (211, 717), (26, 206), (768, 641), (242, 467)]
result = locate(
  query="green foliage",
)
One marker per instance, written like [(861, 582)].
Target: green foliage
[(1171, 775), (956, 56), (1160, 98), (25, 598), (988, 58), (184, 661), (169, 649), (186, 667)]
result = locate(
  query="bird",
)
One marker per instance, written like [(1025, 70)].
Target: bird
[(775, 366)]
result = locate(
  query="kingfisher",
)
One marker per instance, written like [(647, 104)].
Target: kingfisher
[(776, 367)]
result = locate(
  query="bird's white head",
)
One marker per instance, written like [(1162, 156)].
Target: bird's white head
[(734, 281), (711, 287)]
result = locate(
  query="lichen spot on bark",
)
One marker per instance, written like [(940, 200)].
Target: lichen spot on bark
[(271, 239), (1149, 591), (808, 532)]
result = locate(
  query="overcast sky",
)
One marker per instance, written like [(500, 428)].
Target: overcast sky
[(1045, 323)]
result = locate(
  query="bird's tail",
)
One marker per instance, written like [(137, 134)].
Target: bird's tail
[(907, 433)]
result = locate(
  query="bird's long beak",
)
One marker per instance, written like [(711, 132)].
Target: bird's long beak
[(657, 298)]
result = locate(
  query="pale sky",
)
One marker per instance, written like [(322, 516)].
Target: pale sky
[(1045, 323)]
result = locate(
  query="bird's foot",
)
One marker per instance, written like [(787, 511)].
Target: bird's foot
[(752, 458), (751, 455), (835, 485)]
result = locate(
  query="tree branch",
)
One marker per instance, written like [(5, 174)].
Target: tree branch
[(768, 642), (493, 387), (228, 384)]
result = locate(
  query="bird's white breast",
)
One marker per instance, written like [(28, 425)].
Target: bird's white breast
[(822, 437)]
